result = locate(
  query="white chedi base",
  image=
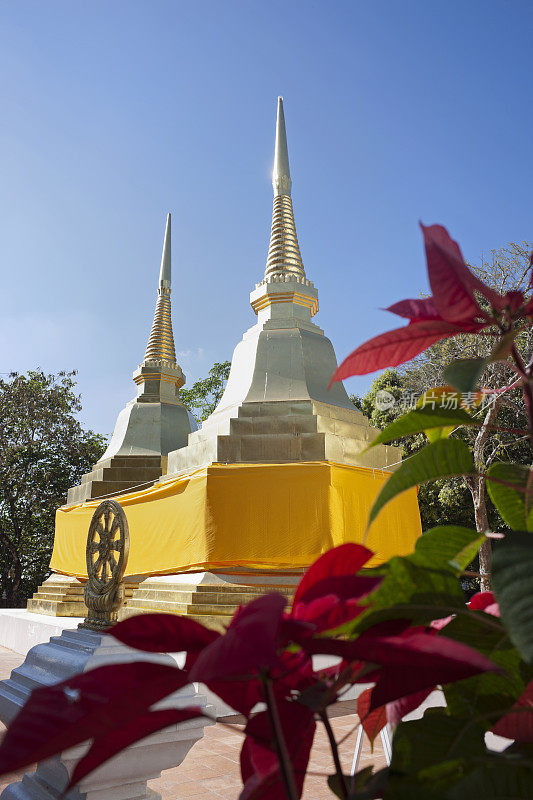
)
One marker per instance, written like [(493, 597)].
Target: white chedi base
[(123, 777), (277, 405), (20, 630)]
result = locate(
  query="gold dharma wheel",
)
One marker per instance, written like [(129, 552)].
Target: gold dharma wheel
[(108, 545)]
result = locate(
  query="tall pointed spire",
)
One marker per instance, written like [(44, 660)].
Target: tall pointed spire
[(165, 273), (160, 345), (283, 252), (281, 175)]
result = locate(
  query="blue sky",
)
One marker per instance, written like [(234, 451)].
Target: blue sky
[(113, 113)]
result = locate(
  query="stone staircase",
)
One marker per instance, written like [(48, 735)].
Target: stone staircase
[(212, 605), (116, 474), (61, 596), (297, 430)]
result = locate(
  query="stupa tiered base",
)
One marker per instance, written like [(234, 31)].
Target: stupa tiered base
[(116, 475), (209, 598), (62, 596), (225, 533)]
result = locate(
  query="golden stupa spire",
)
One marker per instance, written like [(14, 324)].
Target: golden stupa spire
[(160, 345), (283, 252)]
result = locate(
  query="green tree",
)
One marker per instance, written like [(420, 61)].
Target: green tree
[(204, 395), (43, 451)]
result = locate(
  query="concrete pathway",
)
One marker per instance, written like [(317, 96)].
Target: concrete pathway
[(211, 770)]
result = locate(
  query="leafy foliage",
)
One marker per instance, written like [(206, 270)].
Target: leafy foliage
[(205, 394), (43, 451)]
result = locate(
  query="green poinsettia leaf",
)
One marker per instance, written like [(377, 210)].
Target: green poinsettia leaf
[(464, 373), (499, 778), (510, 487), (449, 546), (420, 745), (424, 420), (443, 459), (502, 349), (512, 577)]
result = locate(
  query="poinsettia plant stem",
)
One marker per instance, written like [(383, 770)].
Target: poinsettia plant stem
[(286, 770), (335, 753)]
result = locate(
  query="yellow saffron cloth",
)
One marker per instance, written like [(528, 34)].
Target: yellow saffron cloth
[(258, 516)]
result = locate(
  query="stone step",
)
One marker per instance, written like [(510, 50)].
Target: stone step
[(44, 593), (215, 622), (57, 596), (292, 424), (55, 609), (60, 587), (220, 588), (132, 475), (218, 623), (186, 609), (276, 408), (195, 598), (275, 447), (131, 462), (100, 488)]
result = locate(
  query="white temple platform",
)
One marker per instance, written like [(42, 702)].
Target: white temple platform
[(20, 630)]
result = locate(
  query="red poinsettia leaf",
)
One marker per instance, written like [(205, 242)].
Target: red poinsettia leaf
[(346, 649), (116, 739), (163, 633), (83, 707), (420, 661), (328, 647), (292, 629), (398, 346), (410, 662), (259, 764), (249, 644), (393, 683), (240, 694), (327, 613), (345, 587), (513, 300), (485, 601), (333, 601), (422, 649), (415, 309), (518, 723), (398, 709), (346, 559), (263, 787), (372, 721), (294, 674), (452, 282)]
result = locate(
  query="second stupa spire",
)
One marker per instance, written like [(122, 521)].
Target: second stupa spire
[(160, 345)]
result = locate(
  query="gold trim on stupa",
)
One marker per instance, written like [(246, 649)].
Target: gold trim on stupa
[(283, 252), (160, 345), (284, 257)]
